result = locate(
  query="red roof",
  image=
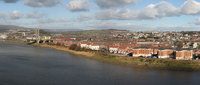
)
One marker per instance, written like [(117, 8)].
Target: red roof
[(64, 38), (84, 43), (114, 46), (95, 44)]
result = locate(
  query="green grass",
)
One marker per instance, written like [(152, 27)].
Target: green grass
[(151, 63)]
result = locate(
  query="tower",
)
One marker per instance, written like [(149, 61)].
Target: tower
[(37, 35)]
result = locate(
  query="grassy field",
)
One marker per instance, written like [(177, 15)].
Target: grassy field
[(15, 41), (153, 63)]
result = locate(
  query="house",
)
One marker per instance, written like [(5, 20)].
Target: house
[(197, 53), (3, 36), (195, 45), (184, 54), (84, 44), (94, 46), (123, 49), (69, 43), (142, 51), (58, 41), (113, 49), (165, 52), (62, 41)]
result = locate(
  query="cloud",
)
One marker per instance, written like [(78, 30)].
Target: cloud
[(152, 11), (15, 15), (41, 3), (113, 3), (35, 15), (50, 20), (84, 17), (140, 27), (197, 21), (190, 7), (78, 5), (10, 1)]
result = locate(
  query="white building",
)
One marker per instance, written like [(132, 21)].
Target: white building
[(195, 45), (84, 45), (94, 47), (113, 49), (3, 36)]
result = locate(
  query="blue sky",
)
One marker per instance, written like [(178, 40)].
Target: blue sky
[(135, 15)]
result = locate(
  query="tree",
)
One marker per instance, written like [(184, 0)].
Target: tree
[(179, 44), (198, 46), (73, 47)]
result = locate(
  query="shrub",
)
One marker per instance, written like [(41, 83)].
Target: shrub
[(73, 47)]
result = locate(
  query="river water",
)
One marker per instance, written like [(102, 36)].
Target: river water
[(28, 65)]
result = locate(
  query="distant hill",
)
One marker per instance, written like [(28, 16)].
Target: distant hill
[(98, 32), (62, 30), (69, 31), (8, 27)]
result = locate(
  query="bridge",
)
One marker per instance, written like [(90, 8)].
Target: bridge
[(38, 39)]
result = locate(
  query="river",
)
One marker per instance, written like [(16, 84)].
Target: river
[(22, 64)]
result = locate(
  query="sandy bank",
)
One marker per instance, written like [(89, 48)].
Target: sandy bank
[(87, 54)]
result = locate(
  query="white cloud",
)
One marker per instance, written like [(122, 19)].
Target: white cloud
[(41, 3), (84, 17), (78, 5), (190, 7), (113, 3), (140, 27), (152, 11), (197, 21), (50, 20), (15, 15), (35, 14)]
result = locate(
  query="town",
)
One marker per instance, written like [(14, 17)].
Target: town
[(182, 45)]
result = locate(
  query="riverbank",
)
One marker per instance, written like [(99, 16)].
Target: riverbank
[(61, 48), (135, 62), (161, 64), (15, 41)]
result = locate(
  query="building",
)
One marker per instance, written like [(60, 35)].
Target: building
[(3, 36), (184, 54), (142, 52), (45, 37), (61, 41), (165, 52), (94, 46), (195, 44), (84, 44), (113, 49), (123, 49)]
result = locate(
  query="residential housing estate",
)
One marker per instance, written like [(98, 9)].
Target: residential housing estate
[(164, 45)]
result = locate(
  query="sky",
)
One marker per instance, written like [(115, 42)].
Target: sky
[(135, 15)]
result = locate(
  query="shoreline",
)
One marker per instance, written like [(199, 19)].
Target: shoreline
[(15, 41), (157, 64), (60, 48)]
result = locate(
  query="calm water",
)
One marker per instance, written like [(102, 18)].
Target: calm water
[(27, 65)]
